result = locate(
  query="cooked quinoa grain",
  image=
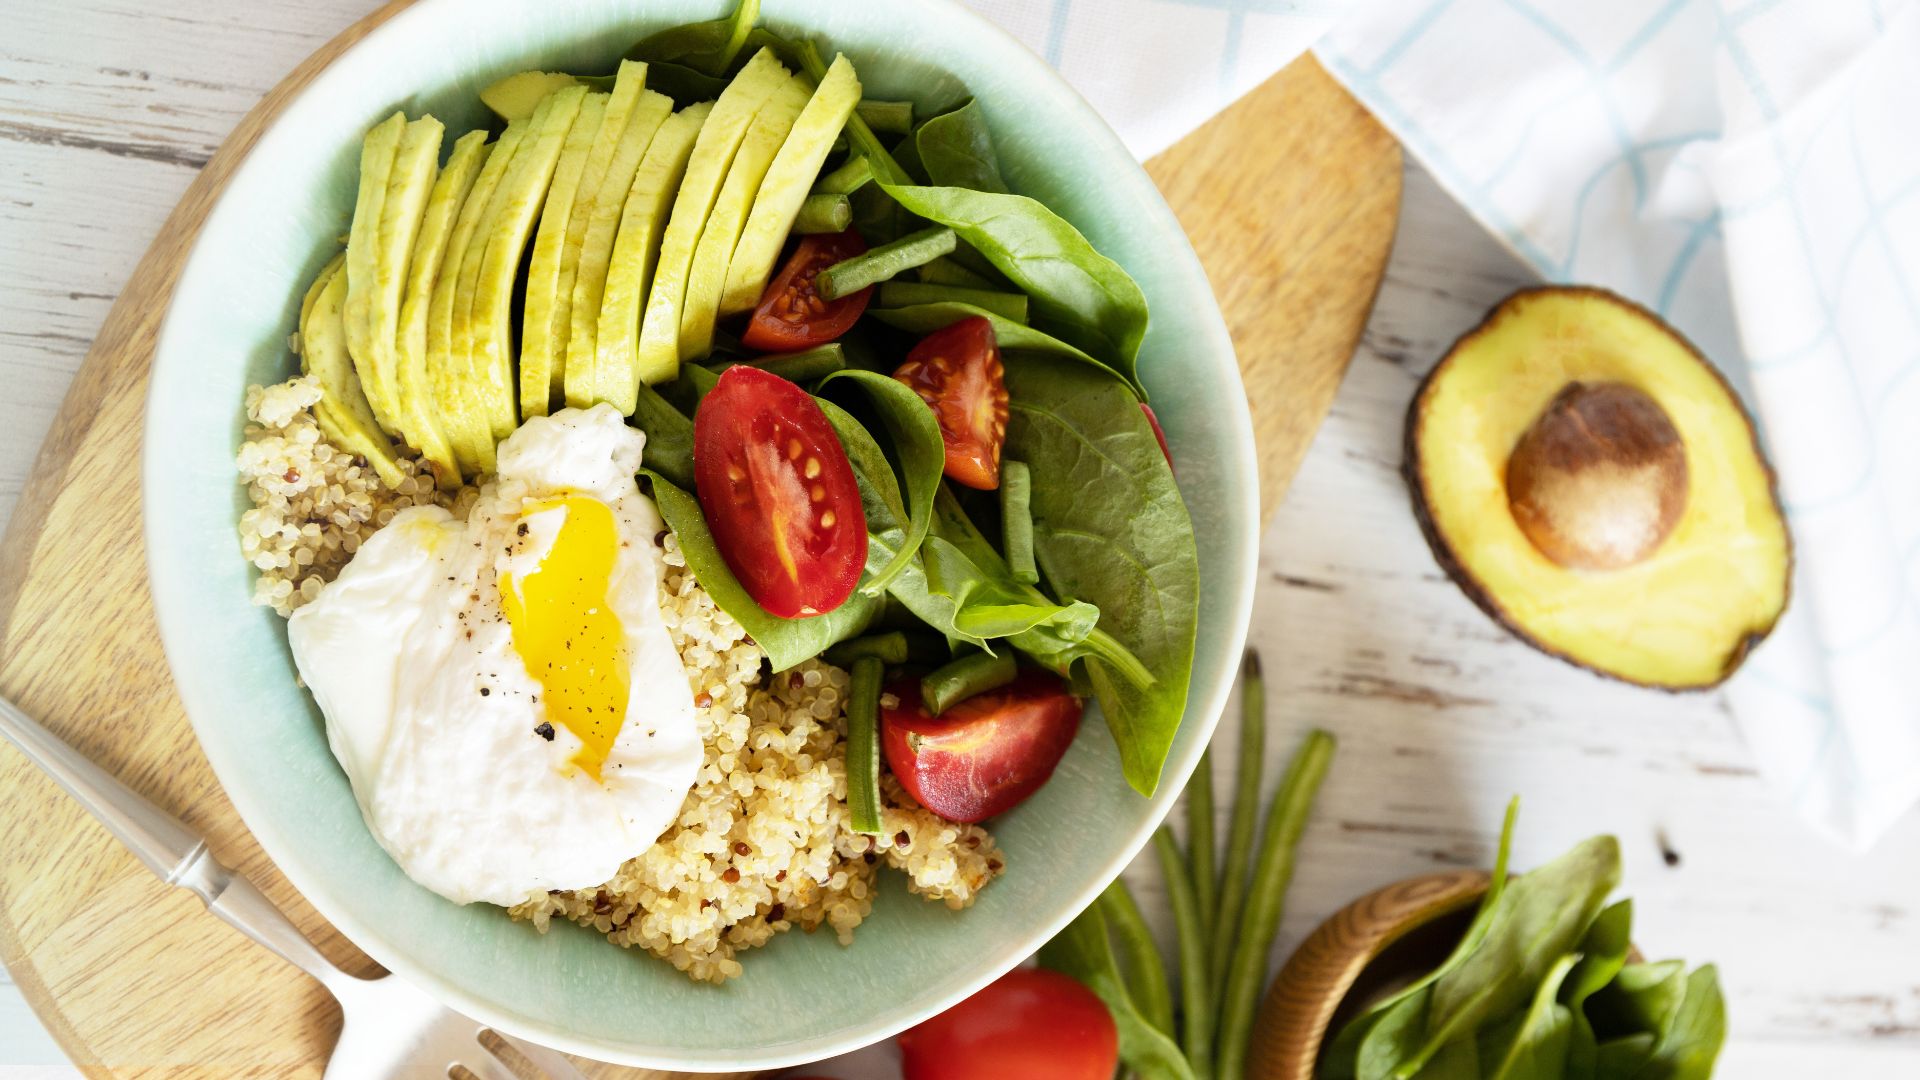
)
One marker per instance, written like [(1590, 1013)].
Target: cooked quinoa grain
[(764, 841)]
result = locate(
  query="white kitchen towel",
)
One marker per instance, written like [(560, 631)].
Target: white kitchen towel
[(1748, 168)]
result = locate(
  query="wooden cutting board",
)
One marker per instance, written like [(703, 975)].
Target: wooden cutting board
[(1290, 197)]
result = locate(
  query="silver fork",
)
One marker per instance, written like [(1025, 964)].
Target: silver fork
[(390, 1028)]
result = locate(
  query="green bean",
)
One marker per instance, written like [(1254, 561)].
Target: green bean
[(863, 745), (948, 272), (823, 214), (888, 648), (846, 179), (1247, 968), (1200, 845), (976, 673), (1246, 808), (1016, 520), (1007, 305), (1196, 1010), (1140, 964), (914, 249), (799, 367), (886, 117)]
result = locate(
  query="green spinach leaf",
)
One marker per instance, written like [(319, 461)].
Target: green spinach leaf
[(785, 641), (1083, 296), (1602, 954), (1536, 1047), (1110, 529), (707, 47), (1688, 1047), (1084, 952), (922, 455), (669, 449), (957, 150)]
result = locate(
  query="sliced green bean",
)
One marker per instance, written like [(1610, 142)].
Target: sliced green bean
[(976, 673), (1247, 967), (1140, 964), (1196, 1008), (846, 179), (914, 249), (863, 745), (1246, 810), (823, 214), (800, 367), (886, 117), (1016, 520), (1200, 845), (1011, 306), (948, 272), (888, 648)]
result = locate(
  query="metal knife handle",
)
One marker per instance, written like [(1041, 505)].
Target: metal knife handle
[(170, 849)]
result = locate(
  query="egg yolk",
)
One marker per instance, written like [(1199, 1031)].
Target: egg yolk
[(565, 632)]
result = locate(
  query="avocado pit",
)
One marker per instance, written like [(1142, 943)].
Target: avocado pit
[(1600, 479)]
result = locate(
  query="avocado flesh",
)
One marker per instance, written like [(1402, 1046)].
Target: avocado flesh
[(596, 248), (416, 165), (465, 426), (713, 152), (517, 96), (786, 185), (516, 206), (628, 84), (542, 342), (342, 411), (420, 419), (636, 244), (377, 152), (712, 255), (1686, 615)]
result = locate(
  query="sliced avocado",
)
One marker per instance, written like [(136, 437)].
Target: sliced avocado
[(787, 183), (516, 206), (715, 251), (377, 152), (720, 136), (636, 244), (465, 426), (419, 411), (516, 96), (1590, 481), (342, 411), (415, 166), (629, 82), (596, 248), (543, 343)]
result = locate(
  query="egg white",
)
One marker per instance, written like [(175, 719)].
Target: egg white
[(431, 710)]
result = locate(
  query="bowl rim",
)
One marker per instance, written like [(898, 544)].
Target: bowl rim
[(175, 615)]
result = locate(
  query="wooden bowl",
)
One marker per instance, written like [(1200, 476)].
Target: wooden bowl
[(1370, 948)]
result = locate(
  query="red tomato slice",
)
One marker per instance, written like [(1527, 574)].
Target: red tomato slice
[(1154, 423), (778, 493), (957, 370), (1032, 1023), (791, 316), (985, 755)]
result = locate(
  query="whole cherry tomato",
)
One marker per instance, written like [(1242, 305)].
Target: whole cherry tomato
[(1032, 1024)]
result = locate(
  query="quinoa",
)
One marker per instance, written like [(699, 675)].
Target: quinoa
[(765, 840)]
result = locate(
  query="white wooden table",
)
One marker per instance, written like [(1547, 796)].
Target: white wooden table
[(107, 107)]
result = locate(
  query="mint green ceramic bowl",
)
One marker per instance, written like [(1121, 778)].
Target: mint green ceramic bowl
[(804, 997)]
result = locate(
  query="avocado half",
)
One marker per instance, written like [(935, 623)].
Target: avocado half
[(1593, 484)]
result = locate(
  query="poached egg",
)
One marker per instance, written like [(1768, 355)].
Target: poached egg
[(502, 691)]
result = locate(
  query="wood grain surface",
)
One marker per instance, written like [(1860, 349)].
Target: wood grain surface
[(133, 978)]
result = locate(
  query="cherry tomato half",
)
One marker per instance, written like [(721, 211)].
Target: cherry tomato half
[(985, 755), (778, 493), (791, 316), (1032, 1023), (957, 370)]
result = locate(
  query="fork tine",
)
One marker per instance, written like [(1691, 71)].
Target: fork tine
[(551, 1062), (486, 1067)]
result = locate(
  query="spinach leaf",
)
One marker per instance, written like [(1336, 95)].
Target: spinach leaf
[(708, 47), (1081, 294), (1643, 997), (1536, 1048), (1602, 954), (682, 83), (1084, 952), (922, 453), (1011, 336), (1621, 1058), (1540, 918), (785, 641), (669, 449), (1110, 529), (1687, 1048), (957, 151)]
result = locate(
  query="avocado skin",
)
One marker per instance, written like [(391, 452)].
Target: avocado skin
[(1412, 472)]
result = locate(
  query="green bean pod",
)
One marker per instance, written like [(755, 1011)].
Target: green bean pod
[(1016, 521), (888, 648), (1200, 847), (824, 213), (1246, 808), (1011, 306), (846, 179), (863, 745), (849, 276), (976, 673), (1196, 990), (886, 117), (1140, 964)]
